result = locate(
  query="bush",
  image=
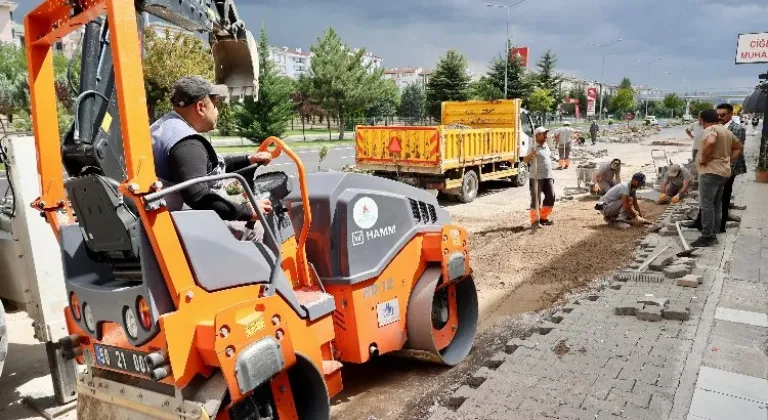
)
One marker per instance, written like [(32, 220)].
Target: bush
[(22, 122), (610, 122)]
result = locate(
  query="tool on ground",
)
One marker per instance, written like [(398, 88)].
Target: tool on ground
[(687, 250), (644, 266), (174, 317)]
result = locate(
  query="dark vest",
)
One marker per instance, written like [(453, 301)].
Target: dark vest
[(166, 132)]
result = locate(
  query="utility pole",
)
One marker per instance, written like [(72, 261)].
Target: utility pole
[(649, 80), (506, 44), (602, 70)]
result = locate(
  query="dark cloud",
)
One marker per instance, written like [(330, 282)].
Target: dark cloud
[(697, 38)]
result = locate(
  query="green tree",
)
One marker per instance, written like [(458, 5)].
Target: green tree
[(541, 101), (413, 103), (674, 104), (449, 82), (167, 58), (339, 80), (272, 112), (518, 84), (697, 106), (386, 100), (484, 89), (13, 81), (624, 101), (547, 77)]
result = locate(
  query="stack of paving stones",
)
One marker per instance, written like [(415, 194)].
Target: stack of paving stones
[(614, 353)]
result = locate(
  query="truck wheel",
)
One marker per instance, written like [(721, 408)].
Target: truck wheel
[(522, 176), (469, 186), (3, 338)]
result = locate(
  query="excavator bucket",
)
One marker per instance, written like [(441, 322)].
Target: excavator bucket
[(236, 64)]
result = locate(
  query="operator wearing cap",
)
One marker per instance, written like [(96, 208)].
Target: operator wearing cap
[(607, 175), (541, 180), (620, 204), (563, 141), (181, 153), (676, 183)]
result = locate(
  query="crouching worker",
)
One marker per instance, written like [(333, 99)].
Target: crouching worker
[(676, 184), (608, 174), (619, 205), (541, 181)]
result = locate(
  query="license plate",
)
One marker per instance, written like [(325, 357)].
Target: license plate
[(121, 359)]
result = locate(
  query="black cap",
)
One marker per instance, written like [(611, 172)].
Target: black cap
[(190, 89)]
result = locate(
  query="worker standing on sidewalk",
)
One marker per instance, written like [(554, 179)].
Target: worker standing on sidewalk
[(563, 143), (542, 180)]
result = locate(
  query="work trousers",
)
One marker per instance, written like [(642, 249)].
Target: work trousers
[(615, 211), (711, 188), (594, 137), (725, 202), (565, 152), (546, 186)]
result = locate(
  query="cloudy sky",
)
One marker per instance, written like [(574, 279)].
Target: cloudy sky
[(696, 38)]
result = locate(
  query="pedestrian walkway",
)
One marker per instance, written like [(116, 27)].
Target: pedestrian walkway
[(685, 339)]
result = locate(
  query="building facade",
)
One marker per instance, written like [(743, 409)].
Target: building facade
[(406, 76), (291, 62), (7, 23)]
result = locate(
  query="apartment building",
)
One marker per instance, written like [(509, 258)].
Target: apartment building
[(13, 32), (406, 76), (291, 62), (7, 24)]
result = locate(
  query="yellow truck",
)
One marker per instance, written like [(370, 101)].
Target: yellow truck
[(478, 141)]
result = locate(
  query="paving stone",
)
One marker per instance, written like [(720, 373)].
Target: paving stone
[(650, 313), (676, 271), (676, 312), (652, 300), (689, 281), (691, 262), (662, 261), (628, 309), (731, 225)]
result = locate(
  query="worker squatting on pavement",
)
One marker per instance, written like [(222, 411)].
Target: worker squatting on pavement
[(542, 179), (181, 154), (676, 184), (608, 174), (619, 205), (563, 141)]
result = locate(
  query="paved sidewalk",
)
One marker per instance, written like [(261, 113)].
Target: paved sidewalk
[(685, 339)]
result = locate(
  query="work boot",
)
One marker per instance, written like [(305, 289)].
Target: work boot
[(546, 222), (703, 242), (567, 163)]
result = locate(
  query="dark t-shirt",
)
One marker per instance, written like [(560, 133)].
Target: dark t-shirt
[(189, 159)]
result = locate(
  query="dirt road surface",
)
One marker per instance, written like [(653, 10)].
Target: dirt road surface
[(518, 271)]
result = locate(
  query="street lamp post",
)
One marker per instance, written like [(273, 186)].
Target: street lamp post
[(602, 70), (506, 47), (649, 80)]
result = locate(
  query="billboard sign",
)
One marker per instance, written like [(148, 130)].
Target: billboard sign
[(752, 48), (591, 101), (521, 52)]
